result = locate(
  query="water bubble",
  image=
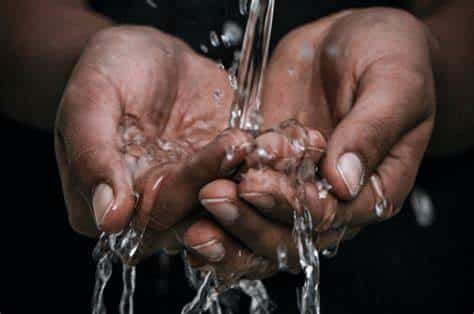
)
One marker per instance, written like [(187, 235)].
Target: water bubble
[(282, 255), (331, 251), (231, 34), (381, 207), (291, 71), (214, 38), (422, 207), (152, 3), (230, 152), (323, 188), (204, 48), (218, 95), (262, 153), (243, 7)]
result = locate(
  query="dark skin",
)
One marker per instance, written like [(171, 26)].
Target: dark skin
[(387, 86)]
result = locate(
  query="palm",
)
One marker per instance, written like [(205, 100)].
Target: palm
[(140, 106)]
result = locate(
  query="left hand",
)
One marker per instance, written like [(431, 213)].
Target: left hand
[(364, 79)]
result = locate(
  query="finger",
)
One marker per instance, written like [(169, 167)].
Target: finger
[(389, 186), (209, 245), (391, 101), (272, 194), (176, 194), (259, 234), (86, 130), (81, 217)]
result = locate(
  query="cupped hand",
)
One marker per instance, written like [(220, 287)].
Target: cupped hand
[(136, 133), (364, 79)]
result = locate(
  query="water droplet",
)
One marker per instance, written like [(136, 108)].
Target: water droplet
[(231, 34), (422, 207), (323, 187), (214, 38), (230, 152), (381, 207), (243, 7), (291, 71), (218, 95), (282, 255), (331, 251), (204, 48), (152, 3)]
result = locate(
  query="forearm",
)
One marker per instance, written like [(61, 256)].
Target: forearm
[(453, 61), (42, 42)]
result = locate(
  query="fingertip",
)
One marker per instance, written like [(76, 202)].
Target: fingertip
[(346, 173), (316, 139), (316, 145), (204, 239), (113, 206), (220, 188)]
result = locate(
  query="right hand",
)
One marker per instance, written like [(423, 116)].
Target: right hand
[(132, 86)]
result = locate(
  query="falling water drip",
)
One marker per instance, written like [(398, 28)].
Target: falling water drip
[(128, 278), (204, 48), (206, 298), (152, 4), (231, 34), (423, 207), (260, 301), (282, 256), (103, 274), (245, 114), (214, 38), (252, 64), (243, 7)]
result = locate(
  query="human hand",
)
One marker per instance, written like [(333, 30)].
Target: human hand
[(139, 117), (364, 79)]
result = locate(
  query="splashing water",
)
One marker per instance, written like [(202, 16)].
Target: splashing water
[(207, 297), (128, 277), (103, 274), (246, 78), (245, 114)]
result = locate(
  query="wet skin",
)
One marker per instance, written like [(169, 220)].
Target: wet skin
[(368, 90)]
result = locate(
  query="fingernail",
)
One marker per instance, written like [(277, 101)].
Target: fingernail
[(262, 200), (351, 170), (222, 209), (213, 250), (102, 201)]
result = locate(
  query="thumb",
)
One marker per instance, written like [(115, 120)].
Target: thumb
[(390, 102)]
